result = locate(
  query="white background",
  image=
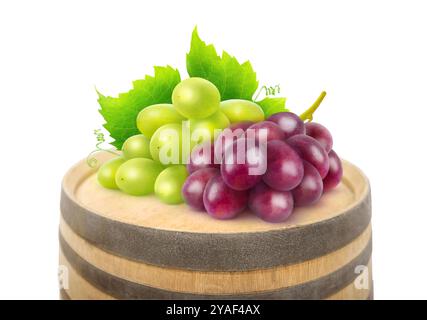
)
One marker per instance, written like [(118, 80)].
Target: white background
[(370, 56)]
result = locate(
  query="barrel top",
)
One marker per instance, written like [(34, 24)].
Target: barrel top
[(80, 186)]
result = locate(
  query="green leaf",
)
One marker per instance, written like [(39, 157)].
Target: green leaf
[(120, 113), (272, 105), (233, 80)]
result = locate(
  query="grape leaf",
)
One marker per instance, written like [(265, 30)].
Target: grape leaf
[(272, 105), (233, 80), (120, 112)]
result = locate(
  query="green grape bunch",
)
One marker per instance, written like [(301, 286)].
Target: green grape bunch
[(163, 118)]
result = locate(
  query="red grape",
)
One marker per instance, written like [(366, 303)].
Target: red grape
[(269, 204), (227, 137), (312, 151), (284, 169), (289, 122), (221, 201), (335, 173), (194, 186), (311, 188), (243, 164), (201, 157), (320, 133), (272, 130)]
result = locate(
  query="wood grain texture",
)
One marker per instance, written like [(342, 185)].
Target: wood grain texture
[(351, 292), (80, 289), (181, 280), (124, 289), (143, 229)]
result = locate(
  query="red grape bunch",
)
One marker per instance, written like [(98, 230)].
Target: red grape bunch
[(292, 165)]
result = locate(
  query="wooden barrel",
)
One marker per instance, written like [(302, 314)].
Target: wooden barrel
[(116, 246)]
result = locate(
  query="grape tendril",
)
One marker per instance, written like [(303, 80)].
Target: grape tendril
[(269, 91), (100, 138)]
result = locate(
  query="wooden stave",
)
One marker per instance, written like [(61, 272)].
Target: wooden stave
[(188, 250), (352, 293), (81, 289), (122, 289), (63, 295), (207, 282)]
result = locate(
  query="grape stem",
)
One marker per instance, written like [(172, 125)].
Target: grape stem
[(308, 114)]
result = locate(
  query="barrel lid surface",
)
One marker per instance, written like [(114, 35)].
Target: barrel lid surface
[(81, 186)]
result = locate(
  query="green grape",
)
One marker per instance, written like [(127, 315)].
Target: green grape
[(169, 184), (196, 98), (137, 176), (204, 129), (238, 110), (168, 145), (137, 146), (107, 173), (155, 116)]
